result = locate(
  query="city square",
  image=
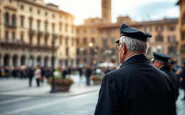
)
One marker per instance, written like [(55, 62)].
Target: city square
[(54, 55)]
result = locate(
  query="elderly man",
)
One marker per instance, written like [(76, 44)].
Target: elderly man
[(162, 62), (137, 87)]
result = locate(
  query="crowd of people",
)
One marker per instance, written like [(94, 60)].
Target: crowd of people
[(41, 73)]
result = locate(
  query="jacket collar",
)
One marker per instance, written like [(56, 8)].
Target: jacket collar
[(165, 68), (136, 59)]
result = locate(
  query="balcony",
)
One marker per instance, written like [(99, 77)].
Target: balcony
[(12, 26), (44, 47), (13, 44), (31, 32)]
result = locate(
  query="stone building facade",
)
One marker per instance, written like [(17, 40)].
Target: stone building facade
[(181, 23), (27, 30), (96, 38)]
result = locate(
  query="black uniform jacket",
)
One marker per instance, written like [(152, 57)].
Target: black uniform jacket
[(136, 88), (173, 77)]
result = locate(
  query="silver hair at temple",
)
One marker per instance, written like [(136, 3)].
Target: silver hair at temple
[(134, 44)]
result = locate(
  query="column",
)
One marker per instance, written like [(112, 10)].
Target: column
[(18, 61), (10, 61)]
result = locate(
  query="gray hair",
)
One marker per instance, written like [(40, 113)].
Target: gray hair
[(134, 44)]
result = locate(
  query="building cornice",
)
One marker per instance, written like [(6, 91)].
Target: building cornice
[(45, 7), (10, 8)]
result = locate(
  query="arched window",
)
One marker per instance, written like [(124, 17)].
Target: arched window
[(13, 20), (6, 18)]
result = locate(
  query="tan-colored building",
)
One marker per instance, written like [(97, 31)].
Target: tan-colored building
[(27, 30), (96, 39), (181, 23)]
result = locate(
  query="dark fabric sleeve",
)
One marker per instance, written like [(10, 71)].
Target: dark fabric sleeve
[(108, 98)]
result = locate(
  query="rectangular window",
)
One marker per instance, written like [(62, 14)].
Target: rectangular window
[(46, 41), (60, 26), (66, 27), (38, 25), (77, 41), (171, 28), (169, 39), (22, 21), (46, 26), (6, 36), (22, 7), (22, 37), (30, 9), (156, 28), (53, 27), (92, 40), (30, 21), (104, 41), (171, 50), (67, 51), (162, 28), (85, 41), (66, 41), (13, 36), (174, 38)]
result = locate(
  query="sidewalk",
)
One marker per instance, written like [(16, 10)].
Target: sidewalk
[(20, 87)]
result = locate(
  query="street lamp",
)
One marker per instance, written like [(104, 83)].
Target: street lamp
[(90, 46), (53, 64)]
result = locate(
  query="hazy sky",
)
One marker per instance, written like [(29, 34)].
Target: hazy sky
[(138, 10)]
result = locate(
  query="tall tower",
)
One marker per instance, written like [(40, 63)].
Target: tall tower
[(106, 11)]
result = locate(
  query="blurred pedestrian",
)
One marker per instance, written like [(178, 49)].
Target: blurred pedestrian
[(80, 72), (30, 73), (137, 87), (88, 73), (7, 74), (182, 79), (161, 61), (64, 73), (14, 72), (42, 74), (47, 73), (69, 71), (37, 75)]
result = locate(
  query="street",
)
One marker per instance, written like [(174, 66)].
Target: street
[(81, 100), (49, 105)]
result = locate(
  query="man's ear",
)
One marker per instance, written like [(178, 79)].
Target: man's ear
[(124, 48)]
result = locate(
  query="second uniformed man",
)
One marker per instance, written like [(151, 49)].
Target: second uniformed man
[(137, 87), (161, 61)]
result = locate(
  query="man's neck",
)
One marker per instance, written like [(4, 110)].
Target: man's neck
[(132, 54)]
